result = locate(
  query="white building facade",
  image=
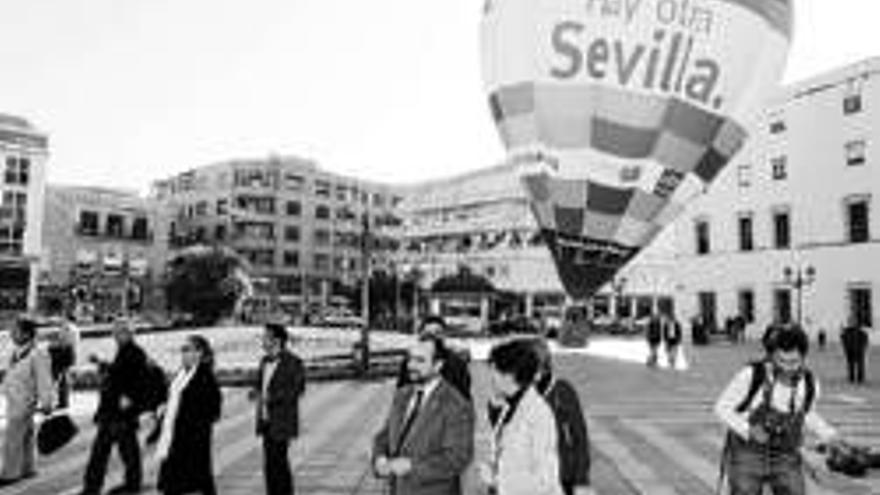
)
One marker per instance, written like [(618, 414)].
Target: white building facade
[(24, 151), (790, 230), (482, 221)]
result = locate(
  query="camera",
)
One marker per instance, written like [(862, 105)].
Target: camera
[(784, 431)]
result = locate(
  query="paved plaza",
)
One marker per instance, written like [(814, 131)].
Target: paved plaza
[(652, 430)]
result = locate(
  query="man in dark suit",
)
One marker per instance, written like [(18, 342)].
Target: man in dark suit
[(454, 369), (855, 342), (117, 417), (428, 438), (281, 384)]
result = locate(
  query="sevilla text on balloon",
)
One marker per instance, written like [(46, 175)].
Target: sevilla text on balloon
[(666, 63)]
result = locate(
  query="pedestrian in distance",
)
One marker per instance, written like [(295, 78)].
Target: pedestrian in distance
[(125, 393), (571, 426), (672, 335), (194, 403), (767, 408), (27, 386), (281, 383), (427, 440), (854, 340), (654, 336), (454, 369), (524, 454)]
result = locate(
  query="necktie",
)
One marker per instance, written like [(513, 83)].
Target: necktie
[(410, 418)]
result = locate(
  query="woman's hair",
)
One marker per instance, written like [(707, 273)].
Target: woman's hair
[(792, 339), (204, 348), (517, 358)]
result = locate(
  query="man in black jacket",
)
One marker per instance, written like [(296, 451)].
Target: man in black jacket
[(855, 342), (282, 381), (119, 407)]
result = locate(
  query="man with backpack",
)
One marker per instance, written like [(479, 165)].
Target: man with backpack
[(130, 385), (767, 408)]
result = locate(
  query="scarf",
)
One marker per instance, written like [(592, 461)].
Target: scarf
[(181, 380)]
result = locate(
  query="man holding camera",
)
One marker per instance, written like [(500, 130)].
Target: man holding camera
[(767, 407)]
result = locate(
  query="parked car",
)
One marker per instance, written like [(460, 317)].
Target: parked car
[(339, 318)]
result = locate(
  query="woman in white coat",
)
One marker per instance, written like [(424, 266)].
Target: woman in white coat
[(28, 389), (524, 458)]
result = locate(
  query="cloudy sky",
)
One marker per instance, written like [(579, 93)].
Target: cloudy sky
[(133, 90)]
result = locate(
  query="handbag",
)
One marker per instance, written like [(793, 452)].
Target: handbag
[(55, 432)]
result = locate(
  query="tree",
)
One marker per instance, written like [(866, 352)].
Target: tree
[(206, 282)]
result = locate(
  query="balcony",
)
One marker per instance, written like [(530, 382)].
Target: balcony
[(104, 235)]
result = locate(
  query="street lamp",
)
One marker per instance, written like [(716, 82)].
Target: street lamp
[(798, 278)]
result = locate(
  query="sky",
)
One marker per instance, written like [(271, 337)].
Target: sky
[(130, 91)]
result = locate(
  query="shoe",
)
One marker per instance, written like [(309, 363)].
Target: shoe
[(124, 490)]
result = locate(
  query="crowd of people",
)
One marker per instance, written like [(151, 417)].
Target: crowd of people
[(539, 443)]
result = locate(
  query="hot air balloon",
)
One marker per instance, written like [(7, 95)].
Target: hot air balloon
[(627, 108)]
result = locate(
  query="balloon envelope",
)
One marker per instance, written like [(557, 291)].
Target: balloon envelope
[(633, 107)]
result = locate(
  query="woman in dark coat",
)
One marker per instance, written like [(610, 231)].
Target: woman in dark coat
[(193, 406)]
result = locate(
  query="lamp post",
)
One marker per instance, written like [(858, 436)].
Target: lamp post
[(366, 241), (798, 278)]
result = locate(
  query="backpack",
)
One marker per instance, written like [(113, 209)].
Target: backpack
[(759, 376)]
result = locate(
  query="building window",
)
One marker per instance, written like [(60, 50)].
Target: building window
[(11, 239), (322, 237), (860, 306), (322, 188), (701, 232), (781, 229), (220, 232), (321, 261), (291, 258), (858, 219), (707, 305), (852, 103), (746, 232), (782, 305), (293, 182), (378, 200), (115, 225), (290, 285), (222, 206), (140, 229), (746, 304), (14, 206), (777, 126), (341, 193), (17, 170), (855, 152), (291, 233), (744, 175), (779, 166), (294, 208), (322, 212), (201, 208)]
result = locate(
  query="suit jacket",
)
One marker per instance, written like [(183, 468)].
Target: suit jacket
[(27, 384), (440, 443), (188, 467), (122, 377), (527, 459), (286, 386)]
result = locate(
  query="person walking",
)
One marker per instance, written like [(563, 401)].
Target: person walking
[(854, 340), (654, 336), (571, 427), (281, 384), (454, 369), (27, 386), (672, 335), (427, 440), (767, 409), (119, 406), (524, 458), (194, 403)]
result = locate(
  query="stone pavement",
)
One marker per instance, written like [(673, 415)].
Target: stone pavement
[(652, 430)]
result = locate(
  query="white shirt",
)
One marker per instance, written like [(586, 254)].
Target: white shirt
[(737, 390)]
